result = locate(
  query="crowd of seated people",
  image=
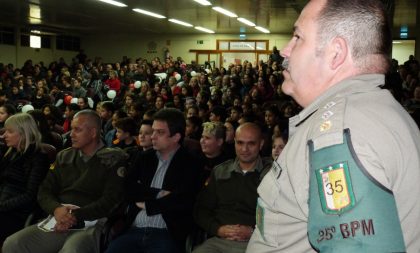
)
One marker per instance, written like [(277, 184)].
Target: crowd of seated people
[(137, 89), (127, 94)]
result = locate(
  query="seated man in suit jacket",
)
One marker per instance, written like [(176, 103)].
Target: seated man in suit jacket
[(161, 187)]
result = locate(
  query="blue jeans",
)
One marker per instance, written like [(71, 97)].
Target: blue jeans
[(143, 240)]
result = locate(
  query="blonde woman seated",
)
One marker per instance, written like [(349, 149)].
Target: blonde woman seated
[(23, 166)]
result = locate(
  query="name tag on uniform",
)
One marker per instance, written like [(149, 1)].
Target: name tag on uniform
[(335, 188)]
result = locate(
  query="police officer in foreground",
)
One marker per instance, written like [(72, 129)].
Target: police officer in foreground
[(348, 179)]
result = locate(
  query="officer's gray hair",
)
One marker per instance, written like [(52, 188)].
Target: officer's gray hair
[(364, 25), (94, 120)]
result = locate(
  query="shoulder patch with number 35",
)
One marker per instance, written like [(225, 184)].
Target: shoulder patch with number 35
[(335, 188)]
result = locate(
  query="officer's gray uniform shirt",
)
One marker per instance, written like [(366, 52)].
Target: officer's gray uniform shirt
[(386, 141)]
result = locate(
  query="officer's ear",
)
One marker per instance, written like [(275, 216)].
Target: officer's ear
[(94, 132), (337, 52)]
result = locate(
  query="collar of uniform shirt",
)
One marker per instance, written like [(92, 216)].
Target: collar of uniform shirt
[(258, 166), (86, 157)]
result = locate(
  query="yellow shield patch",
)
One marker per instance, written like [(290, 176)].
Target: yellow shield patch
[(335, 189)]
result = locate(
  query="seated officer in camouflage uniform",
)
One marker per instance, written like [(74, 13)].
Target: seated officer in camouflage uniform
[(225, 208), (87, 175)]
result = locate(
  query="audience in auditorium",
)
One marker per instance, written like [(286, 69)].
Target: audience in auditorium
[(213, 147), (6, 110), (225, 97), (279, 142), (126, 134)]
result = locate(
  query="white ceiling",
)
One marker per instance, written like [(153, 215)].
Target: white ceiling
[(80, 17)]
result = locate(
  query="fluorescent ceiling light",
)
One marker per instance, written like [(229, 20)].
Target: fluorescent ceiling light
[(203, 2), (34, 21), (116, 3), (148, 13), (262, 29), (34, 11), (396, 42), (246, 21), (203, 29), (226, 12), (179, 22), (34, 14)]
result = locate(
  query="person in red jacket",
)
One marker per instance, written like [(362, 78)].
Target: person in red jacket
[(113, 82)]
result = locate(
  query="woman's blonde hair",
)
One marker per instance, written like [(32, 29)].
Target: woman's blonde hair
[(27, 128), (217, 129)]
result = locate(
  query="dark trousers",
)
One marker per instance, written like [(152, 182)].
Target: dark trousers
[(143, 240)]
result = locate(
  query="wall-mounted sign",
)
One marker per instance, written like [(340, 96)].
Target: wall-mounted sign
[(261, 45), (244, 45), (224, 45)]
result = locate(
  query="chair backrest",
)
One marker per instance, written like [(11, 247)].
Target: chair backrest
[(58, 140), (50, 150), (193, 146)]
